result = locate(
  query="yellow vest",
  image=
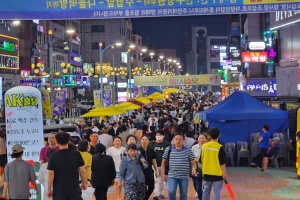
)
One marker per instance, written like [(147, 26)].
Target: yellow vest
[(210, 159)]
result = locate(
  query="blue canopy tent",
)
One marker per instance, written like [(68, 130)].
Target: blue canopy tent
[(241, 114)]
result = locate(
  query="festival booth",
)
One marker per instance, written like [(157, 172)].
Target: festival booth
[(241, 114)]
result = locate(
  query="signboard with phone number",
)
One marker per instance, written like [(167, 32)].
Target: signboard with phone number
[(86, 9)]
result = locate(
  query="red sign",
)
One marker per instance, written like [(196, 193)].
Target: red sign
[(254, 57)]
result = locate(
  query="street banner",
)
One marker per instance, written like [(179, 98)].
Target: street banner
[(203, 79), (59, 102), (46, 104), (97, 99), (107, 100), (88, 9)]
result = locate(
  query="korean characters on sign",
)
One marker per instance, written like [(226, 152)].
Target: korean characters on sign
[(255, 57)]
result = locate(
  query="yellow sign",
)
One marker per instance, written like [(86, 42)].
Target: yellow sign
[(203, 79), (247, 2), (97, 99), (46, 104)]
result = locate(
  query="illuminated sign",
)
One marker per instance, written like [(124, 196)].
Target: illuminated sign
[(85, 81), (235, 53), (63, 9), (256, 45), (283, 18), (261, 87), (40, 28), (69, 80), (75, 59), (122, 85), (254, 57), (9, 52)]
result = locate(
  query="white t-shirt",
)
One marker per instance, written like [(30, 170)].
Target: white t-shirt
[(116, 155), (106, 140)]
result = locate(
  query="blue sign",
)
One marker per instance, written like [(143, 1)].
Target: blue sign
[(261, 87), (75, 59), (86, 9)]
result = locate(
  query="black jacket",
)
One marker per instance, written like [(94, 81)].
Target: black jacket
[(103, 171)]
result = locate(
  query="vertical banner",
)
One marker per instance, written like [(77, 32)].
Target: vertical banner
[(97, 100), (59, 102), (46, 104), (107, 100), (135, 91)]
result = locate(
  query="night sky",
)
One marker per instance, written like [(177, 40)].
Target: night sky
[(167, 32)]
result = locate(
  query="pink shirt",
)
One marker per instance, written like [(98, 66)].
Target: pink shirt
[(43, 153)]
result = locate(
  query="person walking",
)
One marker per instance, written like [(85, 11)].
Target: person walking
[(180, 158), (213, 159), (148, 153), (263, 140), (93, 141), (103, 172), (196, 149), (131, 172), (63, 171), (115, 153), (84, 148), (52, 144), (159, 146), (17, 175), (105, 138), (43, 173)]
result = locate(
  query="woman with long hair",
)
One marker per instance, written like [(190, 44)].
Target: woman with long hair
[(149, 154), (115, 153), (196, 149), (132, 129)]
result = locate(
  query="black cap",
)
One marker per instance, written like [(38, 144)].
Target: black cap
[(100, 148)]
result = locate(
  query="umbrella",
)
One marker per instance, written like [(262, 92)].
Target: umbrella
[(229, 189), (107, 111)]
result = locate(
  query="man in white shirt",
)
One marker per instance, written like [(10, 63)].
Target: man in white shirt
[(105, 138), (153, 121)]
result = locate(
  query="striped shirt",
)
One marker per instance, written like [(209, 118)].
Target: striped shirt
[(179, 161)]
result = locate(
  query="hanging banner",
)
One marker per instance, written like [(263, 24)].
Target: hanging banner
[(59, 102), (203, 79), (97, 99), (107, 101), (46, 104), (24, 121), (63, 9)]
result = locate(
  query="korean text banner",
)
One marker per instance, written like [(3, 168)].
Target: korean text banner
[(59, 102), (24, 121), (204, 79), (86, 9)]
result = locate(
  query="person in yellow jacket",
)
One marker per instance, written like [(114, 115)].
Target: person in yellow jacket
[(213, 158)]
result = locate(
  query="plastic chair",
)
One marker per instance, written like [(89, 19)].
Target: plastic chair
[(254, 150), (274, 159), (253, 138), (243, 151), (230, 151)]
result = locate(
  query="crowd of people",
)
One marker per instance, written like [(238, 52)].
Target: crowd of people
[(143, 153)]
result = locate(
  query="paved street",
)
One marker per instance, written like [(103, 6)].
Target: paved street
[(251, 184)]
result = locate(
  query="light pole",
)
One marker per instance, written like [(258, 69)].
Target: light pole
[(101, 51), (151, 55), (131, 46)]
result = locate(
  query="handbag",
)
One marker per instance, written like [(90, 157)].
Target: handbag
[(167, 165)]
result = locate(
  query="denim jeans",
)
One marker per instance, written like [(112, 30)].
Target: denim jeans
[(217, 187), (197, 181), (183, 187)]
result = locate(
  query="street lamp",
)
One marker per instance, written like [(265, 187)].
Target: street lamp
[(144, 50), (131, 46), (101, 51)]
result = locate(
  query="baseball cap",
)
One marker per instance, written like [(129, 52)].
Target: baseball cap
[(17, 148), (276, 138)]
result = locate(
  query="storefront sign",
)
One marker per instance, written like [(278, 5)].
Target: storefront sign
[(236, 63), (203, 79), (235, 53), (24, 121), (261, 87), (122, 85), (40, 28), (59, 102), (122, 96), (9, 46), (69, 80), (50, 9), (254, 57), (283, 18), (85, 81), (256, 45), (60, 57), (75, 59)]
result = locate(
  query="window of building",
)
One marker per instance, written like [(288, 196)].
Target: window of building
[(97, 28), (40, 38)]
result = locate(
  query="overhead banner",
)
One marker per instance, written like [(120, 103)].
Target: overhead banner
[(59, 102), (107, 98), (203, 79), (85, 9), (47, 110)]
